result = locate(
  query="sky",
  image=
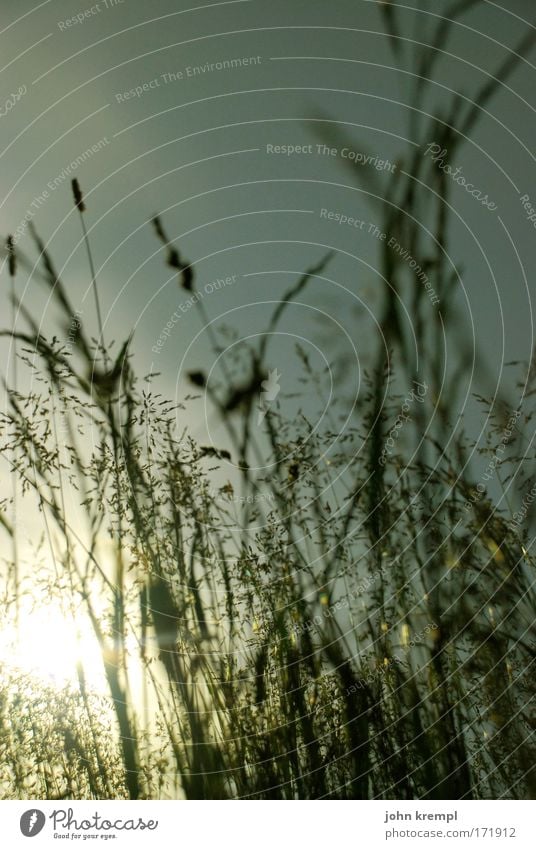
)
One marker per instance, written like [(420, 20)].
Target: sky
[(265, 134), (210, 114)]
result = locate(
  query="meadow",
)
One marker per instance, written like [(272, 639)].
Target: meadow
[(342, 610)]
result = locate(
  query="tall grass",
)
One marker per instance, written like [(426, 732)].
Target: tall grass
[(359, 628)]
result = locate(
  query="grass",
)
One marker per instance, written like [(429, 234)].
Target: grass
[(358, 627)]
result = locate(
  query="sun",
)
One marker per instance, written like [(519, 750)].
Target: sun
[(48, 644)]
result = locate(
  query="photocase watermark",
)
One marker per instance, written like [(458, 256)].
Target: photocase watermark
[(341, 219), (66, 173), (402, 252), (12, 101), (439, 155), (329, 610), (228, 496), (32, 822), (520, 514), (347, 153), (188, 72), (67, 350), (402, 418), (186, 306), (72, 333), (374, 675), (65, 820), (408, 641), (526, 203), (357, 157), (211, 67), (290, 149), (86, 14), (372, 229), (270, 390), (40, 200), (477, 494)]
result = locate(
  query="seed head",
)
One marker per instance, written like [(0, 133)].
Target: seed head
[(197, 378), (78, 197), (11, 259)]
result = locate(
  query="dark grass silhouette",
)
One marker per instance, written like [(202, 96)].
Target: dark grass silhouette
[(366, 634)]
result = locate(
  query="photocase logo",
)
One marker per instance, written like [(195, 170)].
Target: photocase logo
[(270, 390), (32, 822)]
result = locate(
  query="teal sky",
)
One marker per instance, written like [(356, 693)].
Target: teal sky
[(191, 144)]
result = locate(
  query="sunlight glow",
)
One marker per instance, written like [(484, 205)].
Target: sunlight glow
[(49, 647)]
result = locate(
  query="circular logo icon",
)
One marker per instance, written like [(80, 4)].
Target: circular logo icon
[(32, 822)]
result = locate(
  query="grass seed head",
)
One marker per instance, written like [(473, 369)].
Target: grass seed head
[(11, 258), (77, 194)]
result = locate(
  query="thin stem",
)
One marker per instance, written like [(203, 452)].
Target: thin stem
[(15, 550), (101, 342)]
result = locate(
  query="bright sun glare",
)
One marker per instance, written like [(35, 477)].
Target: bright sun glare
[(49, 647)]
